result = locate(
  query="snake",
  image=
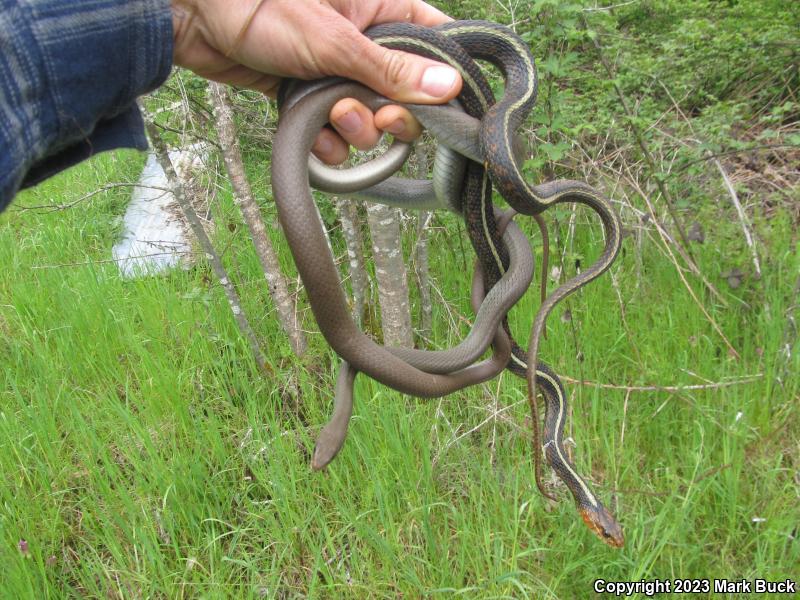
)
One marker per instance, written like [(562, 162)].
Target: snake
[(296, 133)]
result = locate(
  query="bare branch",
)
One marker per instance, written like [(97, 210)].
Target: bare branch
[(244, 199), (48, 208), (742, 218), (665, 388), (109, 260)]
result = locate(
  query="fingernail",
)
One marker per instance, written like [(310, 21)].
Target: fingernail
[(349, 122), (397, 127), (323, 145), (437, 81)]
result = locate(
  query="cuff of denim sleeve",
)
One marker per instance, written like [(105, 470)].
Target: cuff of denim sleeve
[(125, 130)]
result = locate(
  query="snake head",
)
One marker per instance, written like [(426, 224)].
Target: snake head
[(329, 442), (603, 524)]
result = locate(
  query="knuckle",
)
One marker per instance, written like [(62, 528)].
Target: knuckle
[(396, 68)]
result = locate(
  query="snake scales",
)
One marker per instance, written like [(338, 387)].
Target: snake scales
[(484, 133)]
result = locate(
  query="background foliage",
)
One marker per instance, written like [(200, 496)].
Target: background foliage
[(143, 456)]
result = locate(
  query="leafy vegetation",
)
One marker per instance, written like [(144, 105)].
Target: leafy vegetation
[(143, 456)]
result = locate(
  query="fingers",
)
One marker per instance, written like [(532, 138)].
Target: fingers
[(330, 148), (357, 126), (399, 122), (399, 75), (310, 40), (355, 123)]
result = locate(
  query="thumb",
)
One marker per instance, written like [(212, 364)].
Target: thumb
[(402, 76)]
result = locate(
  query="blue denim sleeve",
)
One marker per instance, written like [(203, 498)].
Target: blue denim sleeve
[(70, 72)]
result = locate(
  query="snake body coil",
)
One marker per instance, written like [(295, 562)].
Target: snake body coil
[(503, 264)]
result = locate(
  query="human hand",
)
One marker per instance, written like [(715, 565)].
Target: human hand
[(309, 39)]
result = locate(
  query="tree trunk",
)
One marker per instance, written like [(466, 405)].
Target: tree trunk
[(390, 271), (351, 228), (243, 196)]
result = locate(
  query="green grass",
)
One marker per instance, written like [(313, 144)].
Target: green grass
[(143, 456)]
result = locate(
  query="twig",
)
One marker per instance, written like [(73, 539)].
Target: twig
[(624, 317), (710, 472), (110, 260), (662, 231), (162, 154), (664, 388), (185, 134), (742, 218), (495, 409), (495, 413), (47, 208), (244, 199), (668, 239)]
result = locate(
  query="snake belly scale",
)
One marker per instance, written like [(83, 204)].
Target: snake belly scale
[(411, 371)]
